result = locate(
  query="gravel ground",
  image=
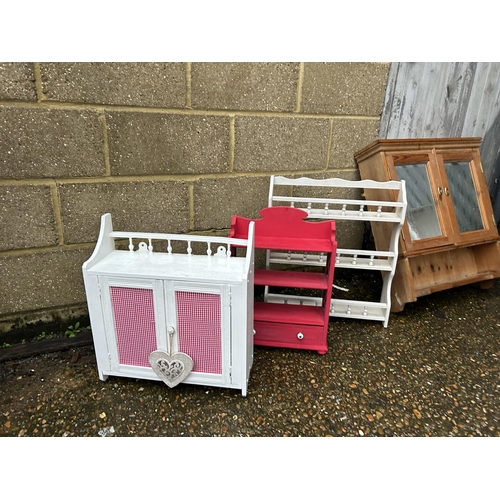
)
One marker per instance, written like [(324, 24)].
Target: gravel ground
[(433, 372)]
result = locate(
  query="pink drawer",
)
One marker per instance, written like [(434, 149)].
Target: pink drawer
[(290, 336)]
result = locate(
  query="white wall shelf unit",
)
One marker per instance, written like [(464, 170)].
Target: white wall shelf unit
[(380, 209)]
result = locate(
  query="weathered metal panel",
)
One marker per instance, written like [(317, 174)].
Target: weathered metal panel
[(447, 99)]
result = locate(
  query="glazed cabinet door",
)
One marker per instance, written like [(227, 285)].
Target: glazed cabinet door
[(134, 318), (466, 193), (427, 222)]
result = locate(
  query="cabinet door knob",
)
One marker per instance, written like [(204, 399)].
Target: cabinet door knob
[(300, 335), (440, 191), (446, 191), (170, 330)]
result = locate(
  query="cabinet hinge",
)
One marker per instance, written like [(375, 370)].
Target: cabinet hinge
[(389, 173), (481, 166)]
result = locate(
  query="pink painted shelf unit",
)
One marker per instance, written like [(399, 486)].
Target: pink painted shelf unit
[(292, 325)]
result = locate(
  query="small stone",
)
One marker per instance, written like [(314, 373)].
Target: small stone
[(417, 413), (102, 415)]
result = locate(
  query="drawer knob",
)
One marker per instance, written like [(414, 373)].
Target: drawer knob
[(300, 335)]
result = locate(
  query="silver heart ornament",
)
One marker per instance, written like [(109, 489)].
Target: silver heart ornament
[(171, 369)]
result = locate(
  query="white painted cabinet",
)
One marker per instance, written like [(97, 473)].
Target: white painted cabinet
[(143, 301)]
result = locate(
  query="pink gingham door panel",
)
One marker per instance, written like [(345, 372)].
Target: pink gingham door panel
[(135, 323), (139, 312), (201, 318)]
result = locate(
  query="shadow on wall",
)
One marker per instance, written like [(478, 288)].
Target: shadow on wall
[(490, 155)]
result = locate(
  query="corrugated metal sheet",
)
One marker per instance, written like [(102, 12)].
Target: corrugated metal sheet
[(455, 99)]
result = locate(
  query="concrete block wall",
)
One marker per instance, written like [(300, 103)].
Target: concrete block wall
[(164, 147)]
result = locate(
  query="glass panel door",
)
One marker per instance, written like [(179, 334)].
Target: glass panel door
[(421, 214), (463, 195), (427, 223)]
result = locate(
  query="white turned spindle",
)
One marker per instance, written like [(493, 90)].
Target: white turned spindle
[(309, 208), (354, 260), (150, 246), (326, 208), (379, 211), (371, 260), (361, 209), (169, 247), (344, 207), (130, 245), (209, 250), (365, 311), (348, 309)]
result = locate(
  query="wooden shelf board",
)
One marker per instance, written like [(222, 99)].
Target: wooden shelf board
[(375, 311), (288, 313), (293, 244), (293, 279), (366, 264), (279, 298), (421, 291), (344, 261), (354, 215)]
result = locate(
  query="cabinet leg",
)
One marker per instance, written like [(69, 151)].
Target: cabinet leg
[(397, 307), (485, 285), (322, 352)]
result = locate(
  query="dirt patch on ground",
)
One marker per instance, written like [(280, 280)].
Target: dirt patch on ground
[(434, 371)]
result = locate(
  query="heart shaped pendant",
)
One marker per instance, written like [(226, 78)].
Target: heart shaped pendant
[(172, 369)]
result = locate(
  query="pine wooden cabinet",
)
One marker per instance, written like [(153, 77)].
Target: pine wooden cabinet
[(449, 237)]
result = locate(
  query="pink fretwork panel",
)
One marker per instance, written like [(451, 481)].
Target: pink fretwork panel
[(134, 315), (199, 329)]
